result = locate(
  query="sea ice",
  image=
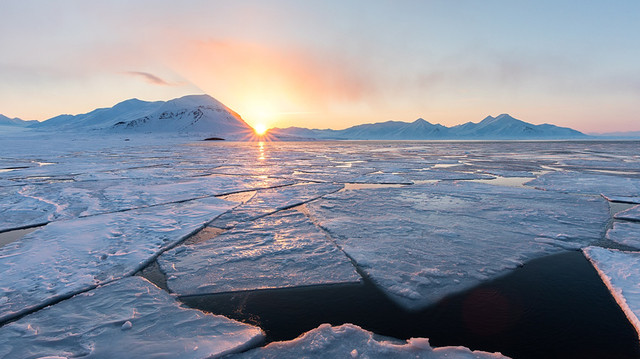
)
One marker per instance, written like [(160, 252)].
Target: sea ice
[(620, 272), (576, 182), (627, 234), (67, 257), (351, 341), (631, 214), (382, 178), (443, 175), (281, 250), (42, 203), (129, 318), (423, 242), (623, 199), (271, 200)]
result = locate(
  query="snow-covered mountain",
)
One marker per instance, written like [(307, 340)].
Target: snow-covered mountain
[(503, 127), (6, 121), (194, 114)]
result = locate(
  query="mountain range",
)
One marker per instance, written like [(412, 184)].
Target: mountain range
[(194, 114), (502, 127), (202, 115)]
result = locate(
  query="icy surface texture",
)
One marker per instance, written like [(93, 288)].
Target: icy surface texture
[(67, 257), (437, 174), (351, 341), (281, 250), (627, 234), (576, 182), (42, 203), (130, 318), (421, 243), (272, 200), (381, 178), (623, 199), (631, 214), (620, 271)]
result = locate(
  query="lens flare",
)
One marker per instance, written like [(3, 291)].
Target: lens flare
[(260, 129)]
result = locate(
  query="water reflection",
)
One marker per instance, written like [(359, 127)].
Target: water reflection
[(261, 150)]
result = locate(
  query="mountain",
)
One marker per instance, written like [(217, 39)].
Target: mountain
[(503, 127), (618, 135), (6, 121), (194, 114)]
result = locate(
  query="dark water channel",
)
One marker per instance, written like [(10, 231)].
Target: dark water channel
[(553, 307)]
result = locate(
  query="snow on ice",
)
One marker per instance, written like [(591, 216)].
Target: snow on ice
[(351, 341), (281, 250), (421, 243), (67, 257), (620, 271), (631, 214), (129, 318)]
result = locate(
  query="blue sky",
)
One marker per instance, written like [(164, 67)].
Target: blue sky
[(330, 63)]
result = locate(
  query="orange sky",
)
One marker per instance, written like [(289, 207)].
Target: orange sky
[(329, 64)]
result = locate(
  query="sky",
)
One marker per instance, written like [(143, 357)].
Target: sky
[(330, 64)]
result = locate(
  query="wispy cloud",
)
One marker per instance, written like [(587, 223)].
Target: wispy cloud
[(152, 79)]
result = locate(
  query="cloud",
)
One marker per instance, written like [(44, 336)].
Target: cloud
[(153, 79)]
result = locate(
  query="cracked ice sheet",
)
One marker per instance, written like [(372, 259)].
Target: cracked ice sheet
[(351, 341), (623, 199), (67, 257), (272, 200), (381, 178), (620, 272), (440, 175), (631, 214), (576, 182), (421, 243), (37, 204), (129, 318), (277, 251), (627, 234)]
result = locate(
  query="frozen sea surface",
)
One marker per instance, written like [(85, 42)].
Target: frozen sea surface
[(627, 234), (421, 243), (577, 182), (42, 203), (620, 271), (129, 318), (351, 341), (631, 214), (68, 257), (268, 201), (277, 251)]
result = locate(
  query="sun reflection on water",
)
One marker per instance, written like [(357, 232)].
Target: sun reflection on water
[(261, 149)]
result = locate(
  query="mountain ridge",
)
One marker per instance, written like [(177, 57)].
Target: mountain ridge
[(502, 127)]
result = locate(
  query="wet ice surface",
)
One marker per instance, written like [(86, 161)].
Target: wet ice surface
[(631, 214), (42, 203), (620, 271), (395, 232), (268, 201), (67, 257), (130, 318), (350, 341), (278, 251), (627, 234), (576, 182), (421, 243)]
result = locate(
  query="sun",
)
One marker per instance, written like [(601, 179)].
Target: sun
[(260, 129)]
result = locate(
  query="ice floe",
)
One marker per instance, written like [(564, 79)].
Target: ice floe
[(623, 199), (67, 257), (382, 178), (631, 214), (620, 271), (42, 203), (423, 242), (576, 182), (274, 199), (281, 250), (129, 318), (627, 234), (351, 341)]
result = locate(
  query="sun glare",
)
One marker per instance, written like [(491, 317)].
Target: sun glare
[(260, 129)]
